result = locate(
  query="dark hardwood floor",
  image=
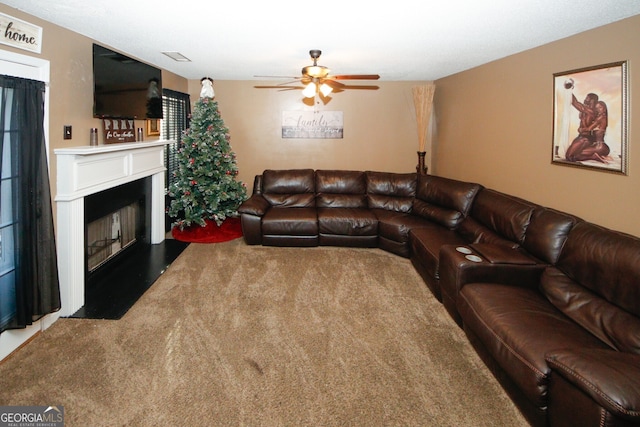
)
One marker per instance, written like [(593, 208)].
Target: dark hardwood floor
[(111, 295)]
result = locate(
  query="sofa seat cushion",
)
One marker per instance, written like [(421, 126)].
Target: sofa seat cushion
[(396, 226), (290, 222), (426, 243), (518, 327), (475, 232), (347, 222)]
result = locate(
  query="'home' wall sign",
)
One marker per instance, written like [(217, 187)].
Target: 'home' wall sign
[(15, 32)]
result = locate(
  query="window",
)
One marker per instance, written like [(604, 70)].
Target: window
[(8, 182), (176, 110)]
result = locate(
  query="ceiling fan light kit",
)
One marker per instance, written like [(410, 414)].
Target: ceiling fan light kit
[(325, 89), (319, 80), (310, 90)]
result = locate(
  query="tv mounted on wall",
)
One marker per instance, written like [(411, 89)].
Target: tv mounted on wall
[(124, 87)]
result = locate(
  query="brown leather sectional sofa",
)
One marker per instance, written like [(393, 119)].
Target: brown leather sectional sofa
[(549, 301)]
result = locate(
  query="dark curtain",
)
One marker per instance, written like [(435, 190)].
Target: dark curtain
[(37, 290)]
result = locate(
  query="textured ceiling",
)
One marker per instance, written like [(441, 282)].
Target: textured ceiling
[(400, 40)]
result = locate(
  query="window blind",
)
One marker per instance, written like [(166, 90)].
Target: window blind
[(176, 109)]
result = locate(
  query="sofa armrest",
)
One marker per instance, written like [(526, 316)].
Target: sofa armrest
[(499, 254), (254, 205), (611, 378), (497, 264)]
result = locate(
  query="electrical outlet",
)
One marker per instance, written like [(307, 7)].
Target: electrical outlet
[(67, 132)]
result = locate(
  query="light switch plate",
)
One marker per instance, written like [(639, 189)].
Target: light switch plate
[(67, 132)]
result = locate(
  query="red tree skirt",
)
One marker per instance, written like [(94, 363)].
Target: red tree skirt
[(211, 233)]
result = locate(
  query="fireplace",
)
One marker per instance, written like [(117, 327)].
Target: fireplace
[(116, 222), (99, 181)]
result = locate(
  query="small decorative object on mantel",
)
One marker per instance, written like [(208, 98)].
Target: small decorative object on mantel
[(93, 137), (119, 130), (423, 103)]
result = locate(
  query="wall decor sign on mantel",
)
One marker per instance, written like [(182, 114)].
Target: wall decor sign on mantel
[(17, 33), (312, 124), (118, 130)]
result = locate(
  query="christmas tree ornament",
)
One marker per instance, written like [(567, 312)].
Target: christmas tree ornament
[(207, 88)]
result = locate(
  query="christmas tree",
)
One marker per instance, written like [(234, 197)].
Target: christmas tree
[(205, 186)]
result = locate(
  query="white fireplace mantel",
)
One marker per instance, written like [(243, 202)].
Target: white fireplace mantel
[(88, 170)]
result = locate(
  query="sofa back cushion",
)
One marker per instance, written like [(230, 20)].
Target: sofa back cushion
[(547, 233), (341, 189), (614, 326), (606, 262), (444, 201), (497, 218), (257, 184), (596, 283), (391, 191), (293, 188)]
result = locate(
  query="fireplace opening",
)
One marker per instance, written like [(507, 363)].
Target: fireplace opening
[(110, 234), (117, 224)]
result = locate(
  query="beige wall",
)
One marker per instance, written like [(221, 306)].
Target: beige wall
[(493, 123), (379, 128), (494, 126), (71, 84)]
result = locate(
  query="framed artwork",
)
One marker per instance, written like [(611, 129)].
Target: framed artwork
[(153, 127), (590, 118)]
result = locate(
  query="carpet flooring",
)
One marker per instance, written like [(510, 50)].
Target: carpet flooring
[(237, 335)]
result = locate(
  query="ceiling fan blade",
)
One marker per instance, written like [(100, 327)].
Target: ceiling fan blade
[(364, 87), (356, 77), (290, 82), (334, 84), (278, 77), (279, 87)]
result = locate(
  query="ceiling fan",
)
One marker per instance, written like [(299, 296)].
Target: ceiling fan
[(317, 79)]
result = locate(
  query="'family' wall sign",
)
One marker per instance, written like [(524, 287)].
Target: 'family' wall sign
[(21, 34), (312, 124)]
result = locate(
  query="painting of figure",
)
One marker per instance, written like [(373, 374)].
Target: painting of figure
[(589, 128)]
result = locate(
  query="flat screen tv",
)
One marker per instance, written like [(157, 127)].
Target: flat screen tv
[(124, 87)]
